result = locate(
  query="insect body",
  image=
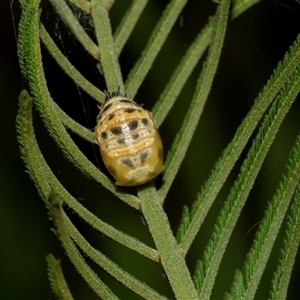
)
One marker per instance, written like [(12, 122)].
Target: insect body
[(129, 142)]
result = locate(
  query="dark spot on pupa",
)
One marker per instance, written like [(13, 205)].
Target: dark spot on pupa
[(129, 110), (133, 125), (145, 122), (104, 135), (111, 117), (112, 170), (116, 130), (121, 141), (126, 101), (106, 107), (127, 161), (160, 153), (135, 136), (143, 156)]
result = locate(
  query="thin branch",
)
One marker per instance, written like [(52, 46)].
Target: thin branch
[(57, 280), (232, 152), (158, 37), (238, 195), (29, 32), (240, 6), (128, 23), (75, 127), (70, 70), (109, 61), (110, 267), (282, 276), (67, 16), (184, 137), (181, 74), (74, 255), (46, 181)]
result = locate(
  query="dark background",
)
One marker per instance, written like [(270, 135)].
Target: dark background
[(255, 42)]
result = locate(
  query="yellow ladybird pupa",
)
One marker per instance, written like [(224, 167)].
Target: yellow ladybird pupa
[(129, 142)]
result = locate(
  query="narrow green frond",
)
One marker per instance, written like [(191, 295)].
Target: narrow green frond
[(109, 61), (46, 181), (110, 267), (269, 228), (237, 290), (232, 152), (183, 71), (74, 255), (238, 194), (70, 20), (70, 70), (185, 134), (21, 42), (47, 110), (75, 127), (96, 223), (181, 74), (51, 264), (158, 37), (288, 252), (198, 275), (259, 253), (170, 255), (184, 223), (57, 280), (25, 137), (127, 24), (240, 6)]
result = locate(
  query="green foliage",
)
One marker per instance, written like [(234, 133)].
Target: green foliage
[(271, 105), (56, 278), (288, 253)]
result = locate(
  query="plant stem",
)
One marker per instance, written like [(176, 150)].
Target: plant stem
[(171, 259)]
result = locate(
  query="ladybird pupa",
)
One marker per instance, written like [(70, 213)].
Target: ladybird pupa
[(129, 142)]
